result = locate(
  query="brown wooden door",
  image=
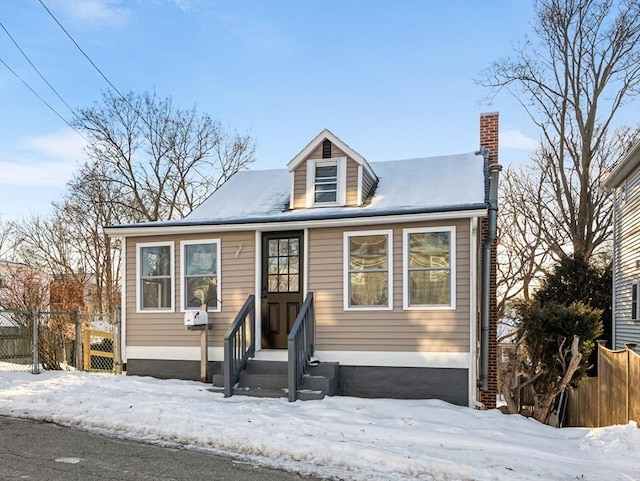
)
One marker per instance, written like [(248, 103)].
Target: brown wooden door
[(281, 286)]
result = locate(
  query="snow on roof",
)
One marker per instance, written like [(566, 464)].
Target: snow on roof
[(411, 186), (432, 184)]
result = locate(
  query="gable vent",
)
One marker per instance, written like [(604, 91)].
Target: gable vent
[(326, 149)]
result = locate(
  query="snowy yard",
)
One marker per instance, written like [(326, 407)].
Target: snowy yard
[(339, 438)]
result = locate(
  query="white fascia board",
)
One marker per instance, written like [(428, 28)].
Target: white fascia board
[(293, 224), (327, 134)]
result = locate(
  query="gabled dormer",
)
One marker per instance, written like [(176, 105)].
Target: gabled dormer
[(329, 173)]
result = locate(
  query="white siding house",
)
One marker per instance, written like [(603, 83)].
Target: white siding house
[(624, 183)]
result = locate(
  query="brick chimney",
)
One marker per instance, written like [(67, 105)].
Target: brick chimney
[(489, 141)]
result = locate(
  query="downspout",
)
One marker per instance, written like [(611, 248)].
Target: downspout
[(494, 174)]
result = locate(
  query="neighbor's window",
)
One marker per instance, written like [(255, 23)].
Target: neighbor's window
[(200, 273), (368, 269), (155, 267), (635, 303), (429, 267)]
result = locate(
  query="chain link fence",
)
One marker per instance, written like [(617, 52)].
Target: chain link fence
[(63, 340)]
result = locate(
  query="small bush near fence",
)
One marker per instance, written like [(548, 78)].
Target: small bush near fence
[(611, 398)]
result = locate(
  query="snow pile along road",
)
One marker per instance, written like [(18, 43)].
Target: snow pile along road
[(340, 437)]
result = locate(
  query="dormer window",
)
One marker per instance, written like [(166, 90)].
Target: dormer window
[(326, 180), (326, 185)]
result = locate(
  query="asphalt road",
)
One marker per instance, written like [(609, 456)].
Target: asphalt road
[(37, 451)]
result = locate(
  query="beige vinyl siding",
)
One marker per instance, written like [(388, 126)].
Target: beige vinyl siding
[(167, 328), (395, 330), (352, 182), (627, 256), (300, 186), (367, 184)]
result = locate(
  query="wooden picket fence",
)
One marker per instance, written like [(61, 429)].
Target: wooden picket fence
[(611, 398)]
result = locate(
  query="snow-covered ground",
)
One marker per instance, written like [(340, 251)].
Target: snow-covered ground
[(338, 438)]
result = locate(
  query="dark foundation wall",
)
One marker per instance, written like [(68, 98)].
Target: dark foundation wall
[(162, 369), (451, 385)]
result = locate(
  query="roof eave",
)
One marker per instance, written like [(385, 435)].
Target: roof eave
[(627, 163), (284, 221)]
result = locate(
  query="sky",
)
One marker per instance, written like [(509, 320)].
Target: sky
[(340, 438), (393, 79)]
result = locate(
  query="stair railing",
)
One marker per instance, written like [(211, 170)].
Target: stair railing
[(301, 345), (239, 344)]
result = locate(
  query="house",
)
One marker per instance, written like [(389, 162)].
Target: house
[(624, 183), (379, 265)]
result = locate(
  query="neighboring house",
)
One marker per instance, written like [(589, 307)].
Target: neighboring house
[(392, 252), (624, 182)]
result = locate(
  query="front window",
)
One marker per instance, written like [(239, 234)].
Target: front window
[(429, 256), (155, 268), (200, 269), (368, 270)]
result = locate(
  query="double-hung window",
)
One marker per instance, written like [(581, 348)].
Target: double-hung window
[(326, 182), (635, 301), (429, 268), (200, 274), (368, 270), (155, 276)]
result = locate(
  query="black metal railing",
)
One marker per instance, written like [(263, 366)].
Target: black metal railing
[(301, 345), (239, 344)]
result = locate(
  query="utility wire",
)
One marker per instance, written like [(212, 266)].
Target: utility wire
[(87, 57), (42, 100), (125, 99), (36, 69)]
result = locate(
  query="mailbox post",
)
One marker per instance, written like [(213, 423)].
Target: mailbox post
[(199, 321)]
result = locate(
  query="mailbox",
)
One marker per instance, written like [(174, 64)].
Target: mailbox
[(195, 318)]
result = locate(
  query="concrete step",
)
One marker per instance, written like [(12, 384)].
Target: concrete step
[(270, 379)]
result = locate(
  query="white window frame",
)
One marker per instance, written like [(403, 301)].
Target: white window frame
[(183, 245), (405, 268), (139, 248), (341, 188), (635, 285), (346, 261)]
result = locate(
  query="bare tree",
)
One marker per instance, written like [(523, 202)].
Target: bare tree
[(6, 228), (163, 161), (573, 78)]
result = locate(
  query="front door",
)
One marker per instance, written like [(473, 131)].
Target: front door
[(281, 286)]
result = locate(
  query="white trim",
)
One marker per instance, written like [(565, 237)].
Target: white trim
[(456, 360), (359, 188), (272, 355), (305, 263), (258, 291), (172, 262), (452, 267), (317, 140), (293, 224), (123, 300), (473, 325), (453, 360), (345, 269), (292, 194), (173, 353), (183, 244), (341, 181)]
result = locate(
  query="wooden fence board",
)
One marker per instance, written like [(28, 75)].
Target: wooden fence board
[(611, 398)]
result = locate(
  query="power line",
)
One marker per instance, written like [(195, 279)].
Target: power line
[(125, 99), (36, 69), (86, 56), (42, 100)]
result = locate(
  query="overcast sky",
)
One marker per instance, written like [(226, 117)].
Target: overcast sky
[(393, 79)]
